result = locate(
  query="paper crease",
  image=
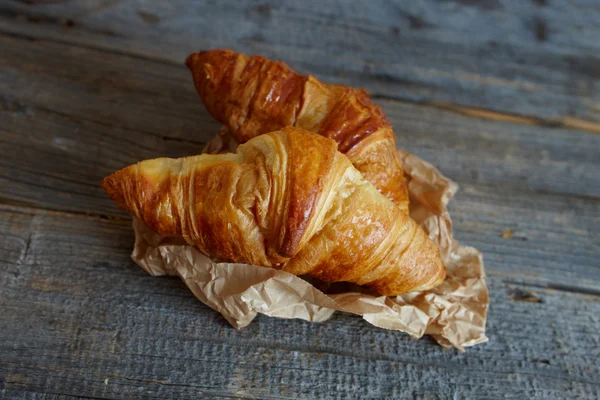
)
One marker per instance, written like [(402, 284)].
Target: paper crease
[(454, 313)]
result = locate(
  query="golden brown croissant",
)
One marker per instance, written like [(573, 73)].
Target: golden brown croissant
[(287, 200), (253, 95)]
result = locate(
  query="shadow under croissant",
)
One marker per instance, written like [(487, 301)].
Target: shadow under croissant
[(325, 287), (338, 287)]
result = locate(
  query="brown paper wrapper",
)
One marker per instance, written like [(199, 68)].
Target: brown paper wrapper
[(454, 313)]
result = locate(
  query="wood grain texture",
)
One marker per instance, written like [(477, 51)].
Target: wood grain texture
[(538, 59), (78, 312), (74, 115)]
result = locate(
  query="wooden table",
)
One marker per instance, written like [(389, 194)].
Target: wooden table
[(503, 96)]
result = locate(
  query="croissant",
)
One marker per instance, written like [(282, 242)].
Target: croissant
[(254, 95), (287, 200)]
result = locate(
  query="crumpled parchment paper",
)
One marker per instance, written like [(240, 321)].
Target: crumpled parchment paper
[(454, 313)]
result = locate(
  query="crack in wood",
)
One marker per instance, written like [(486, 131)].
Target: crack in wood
[(25, 251), (63, 396), (581, 197), (79, 119), (35, 18), (20, 208), (582, 290), (110, 376), (29, 37), (485, 114)]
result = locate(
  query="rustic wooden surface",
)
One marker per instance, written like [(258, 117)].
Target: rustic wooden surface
[(502, 96)]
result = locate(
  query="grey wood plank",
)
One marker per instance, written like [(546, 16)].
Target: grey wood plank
[(73, 115), (534, 58), (28, 395), (76, 312)]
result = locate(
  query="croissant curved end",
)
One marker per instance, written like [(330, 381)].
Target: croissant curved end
[(437, 278), (435, 269), (113, 188), (208, 55)]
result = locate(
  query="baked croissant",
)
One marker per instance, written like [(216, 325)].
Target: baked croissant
[(287, 200), (254, 95)]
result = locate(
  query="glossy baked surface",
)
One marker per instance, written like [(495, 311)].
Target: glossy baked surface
[(287, 200), (254, 95)]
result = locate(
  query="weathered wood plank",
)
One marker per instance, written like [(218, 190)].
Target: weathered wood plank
[(72, 116), (535, 58), (27, 395), (76, 311)]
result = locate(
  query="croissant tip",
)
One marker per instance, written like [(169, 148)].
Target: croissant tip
[(437, 277), (192, 59), (112, 188), (441, 276)]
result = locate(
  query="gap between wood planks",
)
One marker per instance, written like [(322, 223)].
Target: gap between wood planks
[(19, 208), (115, 377), (60, 396), (472, 112), (590, 291)]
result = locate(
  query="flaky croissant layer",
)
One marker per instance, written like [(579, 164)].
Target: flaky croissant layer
[(287, 200), (254, 95)]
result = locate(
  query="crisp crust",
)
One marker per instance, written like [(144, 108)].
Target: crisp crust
[(287, 200), (310, 162), (253, 95)]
